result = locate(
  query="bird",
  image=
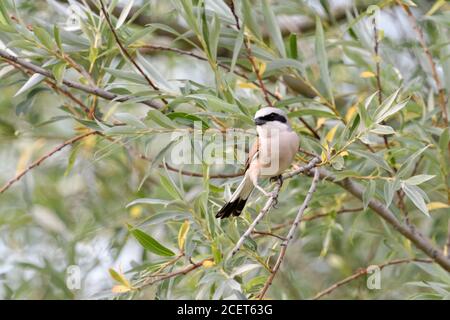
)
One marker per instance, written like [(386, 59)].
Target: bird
[(271, 154)]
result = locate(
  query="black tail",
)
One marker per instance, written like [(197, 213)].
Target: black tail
[(231, 208)]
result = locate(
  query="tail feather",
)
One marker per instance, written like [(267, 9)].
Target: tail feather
[(238, 200)]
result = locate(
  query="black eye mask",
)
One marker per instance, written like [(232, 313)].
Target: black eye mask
[(270, 117)]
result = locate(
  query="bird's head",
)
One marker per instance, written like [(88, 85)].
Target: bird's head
[(271, 117)]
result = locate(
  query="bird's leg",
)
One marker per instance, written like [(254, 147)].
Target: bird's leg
[(271, 194)]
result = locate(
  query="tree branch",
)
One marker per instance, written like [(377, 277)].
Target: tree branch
[(44, 157), (364, 271), (434, 73), (407, 230), (88, 89), (270, 203), (250, 57), (125, 51), (160, 277), (291, 232)]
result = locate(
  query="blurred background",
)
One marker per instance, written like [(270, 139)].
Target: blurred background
[(72, 209)]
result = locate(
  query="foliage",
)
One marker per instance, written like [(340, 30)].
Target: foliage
[(357, 84)]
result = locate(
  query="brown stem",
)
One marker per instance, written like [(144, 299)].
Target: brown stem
[(153, 279), (434, 72), (407, 230), (250, 57), (43, 158), (364, 271), (85, 88), (291, 233), (125, 51)]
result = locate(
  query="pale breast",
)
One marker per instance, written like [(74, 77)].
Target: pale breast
[(277, 152)]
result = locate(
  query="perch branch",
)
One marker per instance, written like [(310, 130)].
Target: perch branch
[(364, 271), (291, 233), (269, 204), (45, 157)]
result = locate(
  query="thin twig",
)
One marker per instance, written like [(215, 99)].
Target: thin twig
[(409, 231), (85, 88), (153, 279), (44, 157), (308, 218), (447, 245), (250, 56), (434, 73), (291, 233), (364, 271), (169, 167), (269, 204), (125, 51), (54, 86)]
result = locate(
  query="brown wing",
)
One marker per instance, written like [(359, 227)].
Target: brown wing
[(253, 151)]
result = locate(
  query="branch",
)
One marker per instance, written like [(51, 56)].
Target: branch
[(434, 72), (407, 230), (362, 272), (270, 203), (153, 279), (88, 89), (291, 232), (142, 156), (250, 57), (125, 51), (54, 86), (43, 158), (307, 218)]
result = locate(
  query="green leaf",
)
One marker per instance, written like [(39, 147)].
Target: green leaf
[(369, 193), (154, 74), (182, 233), (58, 72), (57, 36), (34, 80), (312, 112), (409, 162), (124, 14), (385, 106), (43, 37), (377, 159), (170, 187), (148, 201), (249, 19), (414, 194), (273, 28), (382, 129), (390, 187), (130, 120), (214, 36), (237, 49), (293, 52), (119, 278), (161, 119), (421, 178), (150, 243), (322, 58), (72, 158)]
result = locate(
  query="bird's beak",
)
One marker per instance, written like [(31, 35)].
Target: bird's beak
[(259, 121)]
